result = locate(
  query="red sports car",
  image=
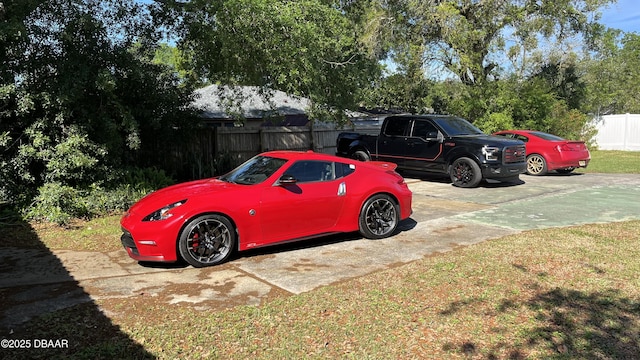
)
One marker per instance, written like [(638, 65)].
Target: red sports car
[(274, 197), (546, 152)]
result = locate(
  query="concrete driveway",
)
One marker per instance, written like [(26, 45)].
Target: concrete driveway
[(33, 282)]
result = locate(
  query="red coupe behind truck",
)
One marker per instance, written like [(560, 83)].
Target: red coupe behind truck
[(547, 152)]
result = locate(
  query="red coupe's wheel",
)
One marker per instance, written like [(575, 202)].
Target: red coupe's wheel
[(379, 217), (536, 165), (207, 240)]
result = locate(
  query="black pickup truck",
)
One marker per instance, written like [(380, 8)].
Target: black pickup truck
[(438, 144)]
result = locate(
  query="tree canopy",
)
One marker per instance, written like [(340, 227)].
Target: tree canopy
[(472, 39)]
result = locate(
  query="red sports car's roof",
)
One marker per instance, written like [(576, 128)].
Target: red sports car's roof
[(311, 155), (296, 155)]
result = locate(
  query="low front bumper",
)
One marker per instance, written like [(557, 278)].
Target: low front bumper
[(500, 171), (143, 252)]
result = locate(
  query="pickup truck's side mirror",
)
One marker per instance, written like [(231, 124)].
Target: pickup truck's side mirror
[(433, 136)]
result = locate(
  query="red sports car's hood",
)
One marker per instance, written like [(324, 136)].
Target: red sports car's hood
[(178, 192)]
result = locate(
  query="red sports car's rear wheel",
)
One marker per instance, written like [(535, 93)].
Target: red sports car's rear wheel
[(207, 240), (379, 217)]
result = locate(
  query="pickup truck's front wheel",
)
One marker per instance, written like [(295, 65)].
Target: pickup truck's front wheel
[(465, 173), (360, 155)]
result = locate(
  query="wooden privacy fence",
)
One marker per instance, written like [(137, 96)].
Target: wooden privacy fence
[(213, 151)]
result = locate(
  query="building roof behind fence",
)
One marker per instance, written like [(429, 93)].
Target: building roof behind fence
[(222, 102)]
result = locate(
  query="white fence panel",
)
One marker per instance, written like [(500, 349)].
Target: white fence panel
[(618, 132)]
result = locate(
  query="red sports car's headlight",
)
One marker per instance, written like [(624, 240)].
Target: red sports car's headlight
[(164, 213)]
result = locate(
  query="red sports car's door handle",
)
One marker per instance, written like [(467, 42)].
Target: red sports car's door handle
[(342, 189)]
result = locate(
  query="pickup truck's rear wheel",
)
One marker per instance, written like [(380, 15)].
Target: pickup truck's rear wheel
[(360, 155), (465, 173)]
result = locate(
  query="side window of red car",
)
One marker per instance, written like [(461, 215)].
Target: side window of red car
[(309, 170), (343, 170)]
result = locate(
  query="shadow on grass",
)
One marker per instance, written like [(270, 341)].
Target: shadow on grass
[(587, 325), (570, 324), (44, 312)]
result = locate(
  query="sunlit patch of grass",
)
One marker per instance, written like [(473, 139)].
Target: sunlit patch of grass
[(99, 234), (613, 162)]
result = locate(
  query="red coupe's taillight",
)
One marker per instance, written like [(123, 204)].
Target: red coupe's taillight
[(570, 147)]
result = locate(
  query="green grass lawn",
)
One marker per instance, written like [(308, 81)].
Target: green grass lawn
[(613, 162)]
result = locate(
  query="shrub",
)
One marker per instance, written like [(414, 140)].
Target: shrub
[(59, 203)]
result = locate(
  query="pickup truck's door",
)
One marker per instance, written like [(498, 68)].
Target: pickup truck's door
[(392, 142), (424, 147)]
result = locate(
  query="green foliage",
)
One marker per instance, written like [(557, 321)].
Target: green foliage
[(61, 203), (57, 203), (511, 103), (144, 179), (221, 164), (613, 76), (400, 91), (80, 98), (472, 39), (495, 122)]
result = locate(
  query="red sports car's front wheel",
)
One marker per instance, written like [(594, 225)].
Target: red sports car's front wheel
[(207, 240), (379, 217), (536, 165)]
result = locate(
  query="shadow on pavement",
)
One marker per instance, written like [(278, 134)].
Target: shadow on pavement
[(444, 179), (52, 317)]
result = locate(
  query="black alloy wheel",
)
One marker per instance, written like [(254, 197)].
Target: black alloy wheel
[(379, 217), (465, 173), (207, 240)]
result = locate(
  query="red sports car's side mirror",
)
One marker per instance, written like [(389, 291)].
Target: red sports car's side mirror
[(287, 180)]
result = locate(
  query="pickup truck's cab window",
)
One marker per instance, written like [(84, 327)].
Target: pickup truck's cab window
[(424, 129), (396, 127)]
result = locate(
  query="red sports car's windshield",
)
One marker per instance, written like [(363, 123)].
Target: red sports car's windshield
[(254, 170)]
